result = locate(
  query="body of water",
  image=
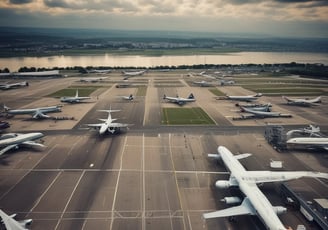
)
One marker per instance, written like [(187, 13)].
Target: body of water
[(13, 64)]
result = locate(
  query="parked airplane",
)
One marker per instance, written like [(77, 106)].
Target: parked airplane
[(133, 73), (99, 71), (12, 224), (255, 202), (302, 102), (248, 98), (36, 113), (128, 98), (309, 142), (180, 100), (205, 83), (108, 125), (93, 79), (311, 131), (14, 140), (263, 108), (261, 114), (75, 99), (227, 82), (13, 85)]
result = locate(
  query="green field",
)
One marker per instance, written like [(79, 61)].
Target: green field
[(185, 116), (84, 91), (142, 90)]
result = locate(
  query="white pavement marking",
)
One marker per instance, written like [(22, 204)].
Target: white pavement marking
[(117, 183), (176, 181), (69, 200), (42, 195)]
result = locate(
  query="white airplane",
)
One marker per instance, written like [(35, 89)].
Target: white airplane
[(261, 114), (311, 131), (75, 99), (309, 142), (262, 108), (12, 224), (128, 98), (227, 82), (14, 140), (248, 98), (255, 202), (13, 85), (133, 73), (100, 71), (205, 83), (36, 113), (180, 100), (108, 125), (302, 102), (93, 79)]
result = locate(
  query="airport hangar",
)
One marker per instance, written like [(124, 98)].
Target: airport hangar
[(151, 176)]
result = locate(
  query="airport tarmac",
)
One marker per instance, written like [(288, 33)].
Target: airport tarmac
[(149, 177)]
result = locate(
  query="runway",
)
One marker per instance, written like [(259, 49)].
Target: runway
[(148, 177)]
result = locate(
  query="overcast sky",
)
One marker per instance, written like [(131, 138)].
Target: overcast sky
[(305, 18)]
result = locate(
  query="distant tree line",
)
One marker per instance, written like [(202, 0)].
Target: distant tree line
[(309, 70)]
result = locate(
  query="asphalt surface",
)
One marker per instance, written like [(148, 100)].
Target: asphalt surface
[(150, 176)]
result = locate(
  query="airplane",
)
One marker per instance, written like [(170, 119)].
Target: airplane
[(128, 98), (224, 82), (75, 99), (133, 73), (205, 83), (14, 140), (99, 71), (248, 105), (93, 79), (36, 113), (261, 114), (6, 86), (180, 100), (108, 125), (310, 131), (248, 98), (302, 102), (263, 108), (12, 224), (255, 202), (309, 142)]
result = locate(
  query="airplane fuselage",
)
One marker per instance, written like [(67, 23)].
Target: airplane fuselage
[(20, 138), (31, 111), (258, 200)]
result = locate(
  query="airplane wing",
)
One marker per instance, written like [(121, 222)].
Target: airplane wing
[(268, 176), (244, 209), (94, 125), (7, 148), (32, 143), (119, 125), (10, 223)]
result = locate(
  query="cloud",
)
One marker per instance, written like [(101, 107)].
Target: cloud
[(20, 2)]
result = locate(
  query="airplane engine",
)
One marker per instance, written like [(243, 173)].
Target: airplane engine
[(279, 210), (222, 184), (231, 200)]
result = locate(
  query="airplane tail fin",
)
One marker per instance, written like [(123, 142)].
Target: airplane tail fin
[(258, 95), (5, 108), (191, 96), (77, 93), (164, 96), (131, 97)]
